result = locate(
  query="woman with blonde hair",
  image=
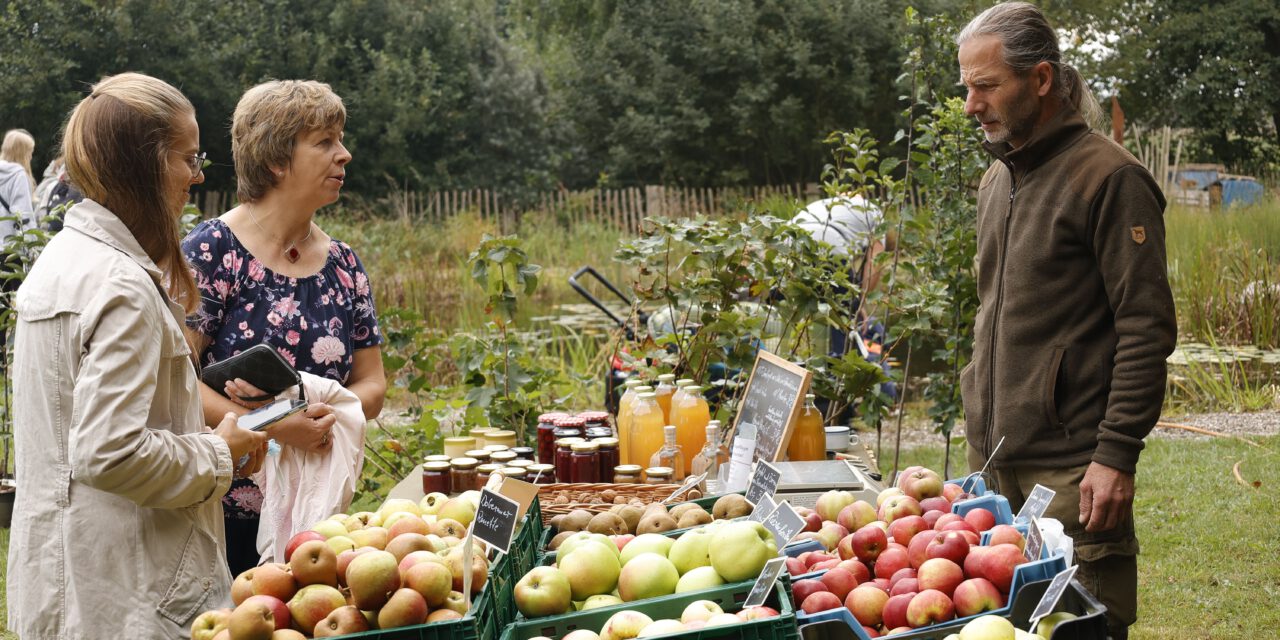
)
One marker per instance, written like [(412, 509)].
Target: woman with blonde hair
[(117, 531), (270, 275), (18, 147)]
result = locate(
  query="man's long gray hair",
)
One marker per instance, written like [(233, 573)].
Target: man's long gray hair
[(1028, 40)]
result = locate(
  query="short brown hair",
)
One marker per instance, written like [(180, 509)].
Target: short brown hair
[(268, 119), (116, 145)]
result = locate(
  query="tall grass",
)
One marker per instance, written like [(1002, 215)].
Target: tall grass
[(1224, 268)]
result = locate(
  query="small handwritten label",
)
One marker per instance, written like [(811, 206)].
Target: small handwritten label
[(1035, 541), (763, 509), (740, 464), (764, 482), (495, 520), (764, 583), (1037, 503), (785, 523), (1052, 595)]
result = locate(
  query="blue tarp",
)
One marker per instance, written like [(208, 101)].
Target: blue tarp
[(1240, 191)]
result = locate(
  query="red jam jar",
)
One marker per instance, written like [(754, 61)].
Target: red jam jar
[(608, 457), (435, 477), (524, 453), (564, 453), (546, 436), (584, 465), (541, 473), (596, 419)]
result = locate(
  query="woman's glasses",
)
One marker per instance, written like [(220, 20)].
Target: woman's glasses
[(195, 162)]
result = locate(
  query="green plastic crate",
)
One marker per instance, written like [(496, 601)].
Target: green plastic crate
[(729, 597), (549, 532)]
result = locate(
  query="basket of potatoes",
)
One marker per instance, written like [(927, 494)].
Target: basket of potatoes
[(637, 518), (563, 498)]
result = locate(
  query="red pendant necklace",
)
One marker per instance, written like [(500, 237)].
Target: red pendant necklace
[(291, 254)]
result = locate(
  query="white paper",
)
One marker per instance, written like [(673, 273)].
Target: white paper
[(744, 450)]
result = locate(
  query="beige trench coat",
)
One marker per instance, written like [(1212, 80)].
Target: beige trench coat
[(117, 530)]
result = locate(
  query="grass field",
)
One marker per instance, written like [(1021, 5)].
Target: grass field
[(1210, 563)]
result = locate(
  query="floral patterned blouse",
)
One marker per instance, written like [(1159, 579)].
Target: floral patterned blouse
[(316, 323)]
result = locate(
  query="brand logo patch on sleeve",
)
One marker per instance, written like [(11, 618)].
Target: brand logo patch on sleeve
[(1139, 234)]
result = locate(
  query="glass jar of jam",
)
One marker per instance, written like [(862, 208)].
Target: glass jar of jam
[(435, 477), (564, 453), (547, 436), (479, 454), (479, 434), (596, 433), (626, 474), (658, 475), (539, 473), (492, 448), (438, 457), (570, 427), (462, 473), (458, 446), (503, 458), (609, 456), (516, 473), (483, 472), (523, 464), (524, 453), (585, 463), (595, 418), (501, 436)]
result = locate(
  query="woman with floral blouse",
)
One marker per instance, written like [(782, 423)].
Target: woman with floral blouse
[(267, 274)]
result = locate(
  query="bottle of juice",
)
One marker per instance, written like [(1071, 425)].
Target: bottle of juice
[(666, 387), (808, 441), (669, 455), (708, 460), (690, 415), (646, 428), (624, 415)]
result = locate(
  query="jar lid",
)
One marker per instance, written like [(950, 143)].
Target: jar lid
[(464, 463), (488, 467), (571, 421), (499, 433), (667, 377), (594, 416), (478, 454), (633, 382), (661, 472), (494, 448), (542, 468), (606, 443), (522, 451), (460, 440), (435, 465), (512, 472), (587, 445), (565, 442), (627, 468), (547, 418), (523, 464), (439, 457), (503, 456), (648, 395), (684, 382)]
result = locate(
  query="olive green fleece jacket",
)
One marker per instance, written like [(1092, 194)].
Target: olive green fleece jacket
[(1076, 316)]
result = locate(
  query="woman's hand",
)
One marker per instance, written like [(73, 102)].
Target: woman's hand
[(237, 390), (242, 442), (308, 429)]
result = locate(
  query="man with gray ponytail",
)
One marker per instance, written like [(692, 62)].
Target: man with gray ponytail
[(1076, 316)]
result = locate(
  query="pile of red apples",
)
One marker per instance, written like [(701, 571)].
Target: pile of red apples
[(908, 561)]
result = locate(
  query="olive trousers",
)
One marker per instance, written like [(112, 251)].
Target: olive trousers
[(1108, 560)]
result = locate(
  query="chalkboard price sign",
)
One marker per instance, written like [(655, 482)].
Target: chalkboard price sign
[(771, 403), (762, 509), (784, 523), (1034, 546), (764, 583), (495, 519), (1052, 594), (764, 482), (1037, 503)]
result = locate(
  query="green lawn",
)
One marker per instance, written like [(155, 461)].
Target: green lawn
[(1210, 564)]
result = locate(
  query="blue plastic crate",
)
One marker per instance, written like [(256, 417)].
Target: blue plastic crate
[(976, 484), (993, 502)]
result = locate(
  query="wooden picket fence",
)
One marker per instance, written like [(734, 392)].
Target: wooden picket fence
[(625, 208)]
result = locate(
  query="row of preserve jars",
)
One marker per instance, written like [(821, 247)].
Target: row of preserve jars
[(451, 475)]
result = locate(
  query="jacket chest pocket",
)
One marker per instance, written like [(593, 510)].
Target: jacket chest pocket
[(177, 379)]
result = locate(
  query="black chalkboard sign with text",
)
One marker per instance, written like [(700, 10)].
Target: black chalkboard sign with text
[(495, 520), (771, 402)]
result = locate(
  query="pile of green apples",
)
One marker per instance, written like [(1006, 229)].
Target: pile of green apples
[(593, 570), (627, 624), (398, 566), (992, 627)]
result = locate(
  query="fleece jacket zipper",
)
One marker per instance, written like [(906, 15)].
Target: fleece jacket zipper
[(995, 324)]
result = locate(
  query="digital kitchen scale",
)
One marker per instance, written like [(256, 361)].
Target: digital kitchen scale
[(802, 482)]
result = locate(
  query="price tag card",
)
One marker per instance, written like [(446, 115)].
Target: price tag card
[(764, 584), (495, 519), (1037, 503), (762, 510), (1051, 595), (785, 523), (763, 482), (740, 464), (689, 483), (1035, 541)]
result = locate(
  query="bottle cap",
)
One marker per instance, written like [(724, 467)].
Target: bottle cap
[(648, 395), (669, 431), (667, 377), (684, 382), (809, 396)]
